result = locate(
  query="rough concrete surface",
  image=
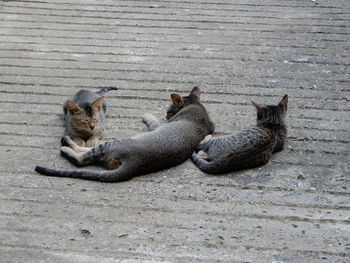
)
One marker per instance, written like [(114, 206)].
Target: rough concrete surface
[(294, 209)]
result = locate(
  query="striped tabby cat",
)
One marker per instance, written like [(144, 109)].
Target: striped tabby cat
[(247, 148), (84, 116)]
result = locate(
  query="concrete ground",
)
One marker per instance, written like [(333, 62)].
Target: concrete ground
[(294, 209)]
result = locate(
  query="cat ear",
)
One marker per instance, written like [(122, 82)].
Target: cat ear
[(284, 103), (98, 103), (258, 107), (195, 92), (177, 100), (72, 107)]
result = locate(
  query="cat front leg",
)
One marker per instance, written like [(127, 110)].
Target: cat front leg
[(79, 141), (72, 156), (92, 141), (67, 141), (151, 121)]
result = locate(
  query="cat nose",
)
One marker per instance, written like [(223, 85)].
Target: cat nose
[(92, 126)]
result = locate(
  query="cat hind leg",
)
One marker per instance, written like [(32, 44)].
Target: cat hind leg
[(79, 141), (74, 153), (151, 121), (72, 156)]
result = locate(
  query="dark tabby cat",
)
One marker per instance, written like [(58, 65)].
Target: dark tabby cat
[(162, 147), (85, 116), (247, 148)]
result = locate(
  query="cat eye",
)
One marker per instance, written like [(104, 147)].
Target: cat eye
[(84, 121)]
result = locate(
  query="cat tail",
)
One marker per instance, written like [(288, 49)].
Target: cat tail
[(104, 90), (207, 166), (119, 175)]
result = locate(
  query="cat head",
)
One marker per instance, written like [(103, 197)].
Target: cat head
[(271, 114), (85, 116), (179, 102)]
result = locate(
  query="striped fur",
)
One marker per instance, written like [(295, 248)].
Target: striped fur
[(247, 148), (84, 115), (164, 146)]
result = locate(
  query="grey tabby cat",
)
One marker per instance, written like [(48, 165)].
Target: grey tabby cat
[(164, 146), (84, 116), (247, 148)]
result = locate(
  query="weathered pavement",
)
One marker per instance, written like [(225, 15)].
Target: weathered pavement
[(295, 209)]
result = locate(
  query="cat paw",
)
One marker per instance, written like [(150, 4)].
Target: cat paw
[(66, 141), (68, 153), (92, 143), (151, 121), (147, 117), (202, 154), (194, 156)]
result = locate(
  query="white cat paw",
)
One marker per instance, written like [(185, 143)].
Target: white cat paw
[(66, 150), (92, 143), (147, 117)]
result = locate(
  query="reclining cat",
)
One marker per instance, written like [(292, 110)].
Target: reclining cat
[(84, 116), (164, 146), (247, 148)]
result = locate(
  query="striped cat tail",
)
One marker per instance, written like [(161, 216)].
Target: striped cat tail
[(119, 175)]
